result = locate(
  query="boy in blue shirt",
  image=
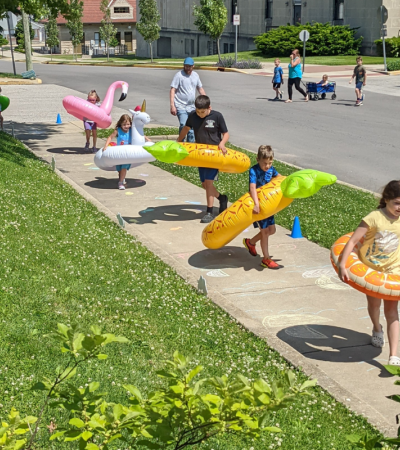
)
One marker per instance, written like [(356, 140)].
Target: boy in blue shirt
[(260, 175), (277, 80)]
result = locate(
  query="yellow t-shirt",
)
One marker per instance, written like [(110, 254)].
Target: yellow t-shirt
[(381, 247)]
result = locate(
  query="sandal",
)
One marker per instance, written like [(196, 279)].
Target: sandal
[(288, 101), (378, 338), (394, 361)]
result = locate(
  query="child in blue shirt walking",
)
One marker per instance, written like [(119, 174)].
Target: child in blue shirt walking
[(277, 80), (123, 134), (260, 175)]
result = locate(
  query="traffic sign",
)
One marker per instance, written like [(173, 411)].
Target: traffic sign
[(236, 19), (383, 14), (304, 36)]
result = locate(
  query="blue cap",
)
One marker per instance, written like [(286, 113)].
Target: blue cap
[(188, 62)]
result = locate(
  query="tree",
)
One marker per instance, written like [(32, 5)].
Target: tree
[(28, 35), (52, 33), (74, 23), (107, 29), (34, 7), (20, 35), (148, 24), (211, 18)]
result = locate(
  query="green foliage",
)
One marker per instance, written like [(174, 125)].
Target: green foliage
[(3, 41), (325, 40), (107, 29), (393, 65), (74, 22), (34, 7), (19, 35), (229, 61), (148, 25), (211, 19), (392, 46), (156, 131), (12, 432), (52, 33)]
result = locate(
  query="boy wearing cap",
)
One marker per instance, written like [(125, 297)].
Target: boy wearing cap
[(209, 128), (183, 94)]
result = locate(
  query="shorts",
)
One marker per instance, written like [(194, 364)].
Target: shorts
[(359, 85), (265, 223), (90, 125), (208, 174), (123, 166), (276, 85)]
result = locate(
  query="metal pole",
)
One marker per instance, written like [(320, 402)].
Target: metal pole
[(304, 53), (11, 46), (383, 42), (236, 36)]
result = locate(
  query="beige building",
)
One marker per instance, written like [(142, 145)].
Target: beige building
[(180, 38)]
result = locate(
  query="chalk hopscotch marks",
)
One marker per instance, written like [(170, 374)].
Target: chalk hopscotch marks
[(304, 332), (176, 228), (192, 203), (218, 273), (255, 289), (326, 278), (290, 320)]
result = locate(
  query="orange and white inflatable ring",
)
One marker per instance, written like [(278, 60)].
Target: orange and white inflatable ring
[(362, 277)]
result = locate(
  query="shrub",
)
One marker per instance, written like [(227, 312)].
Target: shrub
[(392, 46), (325, 40), (393, 65), (229, 61), (19, 35)]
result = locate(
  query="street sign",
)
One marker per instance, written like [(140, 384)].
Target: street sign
[(236, 19), (304, 36), (384, 32), (383, 14)]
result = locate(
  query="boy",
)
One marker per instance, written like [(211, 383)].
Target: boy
[(361, 79), (259, 175), (277, 79), (209, 128)]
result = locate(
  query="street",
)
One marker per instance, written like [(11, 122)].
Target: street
[(358, 145)]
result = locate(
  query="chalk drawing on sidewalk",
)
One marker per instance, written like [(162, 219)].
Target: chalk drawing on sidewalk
[(217, 273), (161, 198), (254, 289), (218, 267), (144, 174), (176, 228), (326, 279), (128, 193), (286, 246), (132, 221), (88, 164), (304, 332), (94, 168), (192, 203), (290, 320), (146, 210), (183, 255)]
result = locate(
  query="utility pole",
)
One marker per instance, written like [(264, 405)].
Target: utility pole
[(27, 39), (236, 23), (10, 38)]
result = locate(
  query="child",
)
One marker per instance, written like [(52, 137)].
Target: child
[(209, 128), (91, 127), (259, 175), (324, 80), (122, 132), (361, 80), (277, 79), (380, 251)]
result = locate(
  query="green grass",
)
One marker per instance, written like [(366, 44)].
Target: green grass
[(64, 261), (157, 131), (332, 212), (9, 75)]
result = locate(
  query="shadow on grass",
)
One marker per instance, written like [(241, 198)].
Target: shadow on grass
[(168, 213), (334, 344)]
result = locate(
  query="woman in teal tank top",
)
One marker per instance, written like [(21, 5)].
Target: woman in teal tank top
[(295, 75)]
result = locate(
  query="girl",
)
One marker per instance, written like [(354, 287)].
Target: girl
[(380, 251), (91, 127), (122, 132), (295, 75)]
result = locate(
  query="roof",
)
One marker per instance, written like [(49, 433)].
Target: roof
[(92, 13)]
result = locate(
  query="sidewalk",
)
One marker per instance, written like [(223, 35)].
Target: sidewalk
[(302, 310)]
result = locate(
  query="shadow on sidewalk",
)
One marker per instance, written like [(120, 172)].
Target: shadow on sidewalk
[(168, 213), (70, 151), (333, 344), (112, 183)]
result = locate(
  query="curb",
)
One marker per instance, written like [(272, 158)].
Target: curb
[(288, 353), (18, 81), (392, 73)]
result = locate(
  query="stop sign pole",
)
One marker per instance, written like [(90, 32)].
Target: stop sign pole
[(383, 13), (304, 36)]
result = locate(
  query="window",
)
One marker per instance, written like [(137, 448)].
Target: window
[(97, 41), (226, 48), (297, 14), (339, 10), (121, 10), (231, 48), (268, 9), (187, 46)]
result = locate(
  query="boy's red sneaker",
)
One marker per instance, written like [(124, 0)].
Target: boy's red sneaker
[(250, 247), (266, 262)]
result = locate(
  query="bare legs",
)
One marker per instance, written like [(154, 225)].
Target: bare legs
[(211, 192), (263, 236)]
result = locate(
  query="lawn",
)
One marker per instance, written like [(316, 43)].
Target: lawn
[(9, 75), (156, 131), (64, 261)]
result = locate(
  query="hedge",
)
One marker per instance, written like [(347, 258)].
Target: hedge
[(392, 46), (325, 40), (393, 65)]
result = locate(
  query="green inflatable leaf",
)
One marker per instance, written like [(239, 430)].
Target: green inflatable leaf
[(167, 151), (305, 183)]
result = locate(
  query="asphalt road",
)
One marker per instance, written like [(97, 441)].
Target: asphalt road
[(359, 145)]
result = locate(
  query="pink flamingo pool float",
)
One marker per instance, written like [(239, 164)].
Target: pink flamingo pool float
[(84, 110)]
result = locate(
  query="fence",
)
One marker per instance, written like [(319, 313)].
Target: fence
[(119, 50)]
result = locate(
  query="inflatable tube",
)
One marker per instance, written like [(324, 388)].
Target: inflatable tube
[(273, 197), (366, 280), (84, 110), (4, 103), (200, 155), (122, 154)]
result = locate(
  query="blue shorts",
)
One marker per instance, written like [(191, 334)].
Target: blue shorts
[(123, 166), (359, 85), (265, 223), (208, 174)]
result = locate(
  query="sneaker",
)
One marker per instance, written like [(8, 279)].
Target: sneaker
[(94, 149), (267, 262), (87, 146), (358, 102), (276, 98), (125, 182), (378, 338), (394, 361), (207, 218), (121, 186), (250, 247), (223, 203), (281, 95), (361, 103)]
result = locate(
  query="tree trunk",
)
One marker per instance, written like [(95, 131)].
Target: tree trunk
[(108, 53), (219, 53), (51, 53), (151, 51), (27, 40)]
